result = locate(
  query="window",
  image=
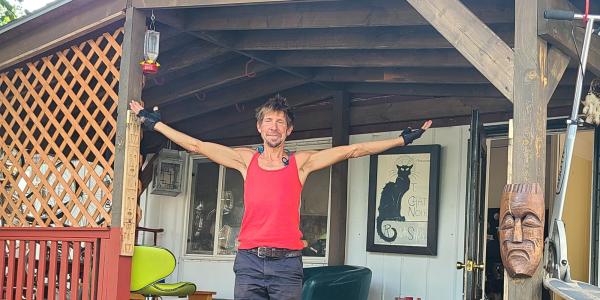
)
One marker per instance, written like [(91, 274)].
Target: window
[(203, 205), (217, 206)]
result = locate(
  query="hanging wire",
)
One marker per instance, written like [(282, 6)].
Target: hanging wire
[(249, 73), (152, 21)]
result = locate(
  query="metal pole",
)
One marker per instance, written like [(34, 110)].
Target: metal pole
[(563, 178)]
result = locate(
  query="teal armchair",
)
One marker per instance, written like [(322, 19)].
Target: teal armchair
[(150, 265), (336, 282)]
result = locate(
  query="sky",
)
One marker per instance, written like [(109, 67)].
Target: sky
[(32, 5)]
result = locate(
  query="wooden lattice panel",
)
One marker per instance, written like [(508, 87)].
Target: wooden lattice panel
[(57, 132)]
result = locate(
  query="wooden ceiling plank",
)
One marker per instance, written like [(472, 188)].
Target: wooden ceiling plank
[(214, 100), (191, 53), (439, 58), (419, 37), (296, 97), (205, 3), (225, 73), (402, 75), (327, 15)]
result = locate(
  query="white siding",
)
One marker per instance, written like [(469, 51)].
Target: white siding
[(394, 275), (428, 277)]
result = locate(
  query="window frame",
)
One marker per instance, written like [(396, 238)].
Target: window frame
[(294, 146)]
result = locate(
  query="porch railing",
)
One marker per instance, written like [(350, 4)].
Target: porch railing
[(51, 263)]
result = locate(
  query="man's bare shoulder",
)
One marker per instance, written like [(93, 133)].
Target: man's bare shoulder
[(302, 156), (246, 153)]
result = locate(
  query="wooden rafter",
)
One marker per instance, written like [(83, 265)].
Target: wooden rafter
[(231, 71), (553, 70), (438, 58), (239, 93), (329, 15), (476, 41), (225, 41), (190, 53), (297, 97), (560, 34), (207, 3), (392, 126), (73, 21), (401, 75), (318, 117), (419, 37)]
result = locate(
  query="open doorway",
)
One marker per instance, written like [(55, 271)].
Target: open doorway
[(577, 212)]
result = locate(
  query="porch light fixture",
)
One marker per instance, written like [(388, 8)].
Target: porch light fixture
[(151, 45), (167, 173)]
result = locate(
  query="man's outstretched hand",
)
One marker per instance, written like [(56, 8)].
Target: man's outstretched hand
[(409, 134), (149, 119)]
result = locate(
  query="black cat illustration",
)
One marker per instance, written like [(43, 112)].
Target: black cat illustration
[(391, 202)]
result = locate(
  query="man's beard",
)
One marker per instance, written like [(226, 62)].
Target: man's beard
[(274, 145)]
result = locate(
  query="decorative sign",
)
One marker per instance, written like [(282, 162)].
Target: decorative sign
[(403, 195)]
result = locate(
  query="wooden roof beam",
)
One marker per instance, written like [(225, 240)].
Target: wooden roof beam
[(205, 3), (438, 58), (225, 73), (308, 118), (225, 41), (189, 54), (475, 40), (418, 37), (258, 87), (383, 127), (329, 15), (440, 90), (401, 75), (558, 33), (296, 97), (385, 116), (57, 27)]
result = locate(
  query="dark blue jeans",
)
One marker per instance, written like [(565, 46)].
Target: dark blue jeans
[(267, 278)]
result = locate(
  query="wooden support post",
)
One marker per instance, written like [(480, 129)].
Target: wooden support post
[(128, 131), (117, 253), (530, 114), (473, 39), (339, 181)]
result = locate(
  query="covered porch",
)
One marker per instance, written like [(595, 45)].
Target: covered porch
[(353, 71)]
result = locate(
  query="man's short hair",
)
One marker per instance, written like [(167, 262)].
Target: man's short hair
[(276, 103)]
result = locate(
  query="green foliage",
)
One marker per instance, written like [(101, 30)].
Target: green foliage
[(9, 11)]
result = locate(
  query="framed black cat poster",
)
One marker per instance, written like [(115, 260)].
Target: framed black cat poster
[(403, 198)]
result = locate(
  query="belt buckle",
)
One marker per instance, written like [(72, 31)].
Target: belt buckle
[(261, 252)]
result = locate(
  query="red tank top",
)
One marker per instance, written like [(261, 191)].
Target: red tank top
[(272, 207)]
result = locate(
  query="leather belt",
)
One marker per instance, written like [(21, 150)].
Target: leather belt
[(263, 252)]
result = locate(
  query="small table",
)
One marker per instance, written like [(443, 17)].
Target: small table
[(202, 295), (198, 295)]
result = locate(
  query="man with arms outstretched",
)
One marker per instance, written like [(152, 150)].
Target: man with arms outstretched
[(268, 264)]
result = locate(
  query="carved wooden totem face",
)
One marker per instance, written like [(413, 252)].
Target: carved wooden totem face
[(521, 231)]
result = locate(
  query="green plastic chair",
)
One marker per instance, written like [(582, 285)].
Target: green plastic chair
[(336, 283), (151, 264)]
